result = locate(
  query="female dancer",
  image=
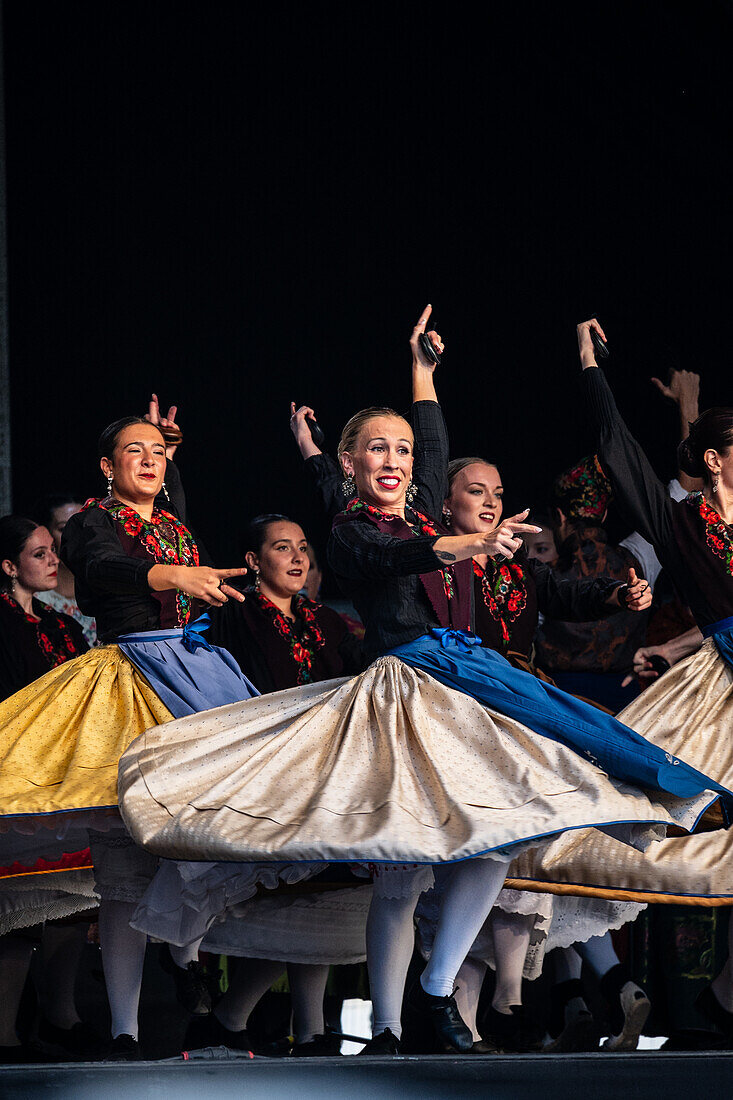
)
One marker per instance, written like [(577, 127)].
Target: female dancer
[(279, 639), (687, 708), (416, 761), (507, 597), (137, 571), (34, 639)]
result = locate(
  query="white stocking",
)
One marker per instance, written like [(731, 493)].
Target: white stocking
[(307, 990), (390, 939), (252, 979), (511, 932), (469, 981), (182, 956), (469, 896), (123, 955)]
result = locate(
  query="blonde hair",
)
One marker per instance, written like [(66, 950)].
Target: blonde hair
[(352, 430)]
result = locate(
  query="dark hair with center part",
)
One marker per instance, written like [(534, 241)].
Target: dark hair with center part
[(110, 435), (14, 534), (256, 532), (713, 430)]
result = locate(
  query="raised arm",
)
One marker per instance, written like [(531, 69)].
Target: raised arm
[(684, 390), (639, 493), (430, 468)]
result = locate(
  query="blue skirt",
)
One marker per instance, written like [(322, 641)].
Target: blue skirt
[(184, 671), (459, 661)]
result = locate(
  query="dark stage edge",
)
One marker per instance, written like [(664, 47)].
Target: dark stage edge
[(541, 1077)]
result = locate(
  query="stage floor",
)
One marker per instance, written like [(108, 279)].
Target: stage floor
[(535, 1077)]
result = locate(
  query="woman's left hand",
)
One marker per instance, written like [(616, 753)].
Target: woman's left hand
[(419, 358), (635, 595), (167, 424)]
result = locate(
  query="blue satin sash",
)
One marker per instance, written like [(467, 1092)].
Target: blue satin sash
[(459, 661)]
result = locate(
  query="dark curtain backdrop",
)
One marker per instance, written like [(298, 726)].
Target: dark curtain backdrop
[(237, 205)]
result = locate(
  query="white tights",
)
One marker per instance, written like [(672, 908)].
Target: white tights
[(470, 892), (123, 955)]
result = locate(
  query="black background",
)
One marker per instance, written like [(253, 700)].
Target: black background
[(238, 205)]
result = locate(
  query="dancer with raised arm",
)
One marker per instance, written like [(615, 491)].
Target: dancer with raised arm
[(689, 709), (136, 570), (439, 753)]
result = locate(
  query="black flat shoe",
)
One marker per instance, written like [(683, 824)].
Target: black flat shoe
[(384, 1044), (320, 1046), (512, 1034), (123, 1048), (445, 1018), (482, 1047), (194, 984)]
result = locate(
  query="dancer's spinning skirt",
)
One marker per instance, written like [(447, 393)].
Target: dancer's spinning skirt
[(438, 752)]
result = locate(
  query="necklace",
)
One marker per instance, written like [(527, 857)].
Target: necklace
[(718, 534)]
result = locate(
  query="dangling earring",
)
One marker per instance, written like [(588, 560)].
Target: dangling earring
[(165, 492), (110, 479), (348, 486), (12, 584), (411, 492), (447, 517), (257, 580), (716, 479)]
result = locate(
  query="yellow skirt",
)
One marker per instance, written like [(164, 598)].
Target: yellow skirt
[(63, 735), (689, 713)]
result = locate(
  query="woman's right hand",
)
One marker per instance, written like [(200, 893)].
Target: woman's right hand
[(507, 539), (585, 343), (300, 429), (199, 581)]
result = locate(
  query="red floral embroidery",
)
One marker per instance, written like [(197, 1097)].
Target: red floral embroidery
[(504, 592), (303, 645), (55, 655), (427, 527), (717, 532), (164, 537)]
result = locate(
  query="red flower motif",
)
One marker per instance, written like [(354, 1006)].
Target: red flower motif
[(303, 647), (504, 592), (717, 533), (163, 536)]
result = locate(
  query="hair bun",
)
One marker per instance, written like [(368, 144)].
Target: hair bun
[(688, 462)]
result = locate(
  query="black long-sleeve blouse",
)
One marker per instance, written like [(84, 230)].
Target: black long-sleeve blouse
[(576, 600), (688, 536), (275, 653), (31, 645), (380, 572), (111, 567)]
